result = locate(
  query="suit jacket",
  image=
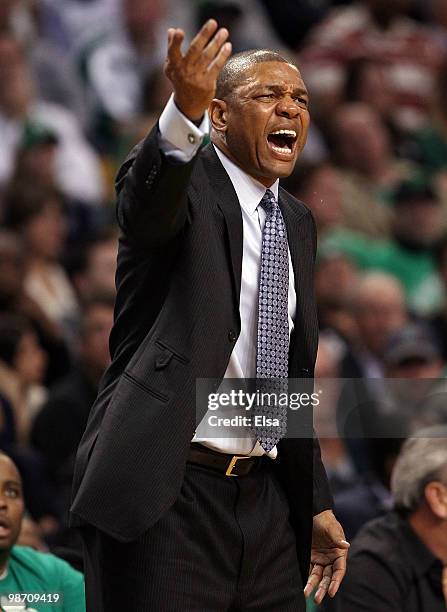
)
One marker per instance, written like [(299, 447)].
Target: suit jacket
[(177, 319)]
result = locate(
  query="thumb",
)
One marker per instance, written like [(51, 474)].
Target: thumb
[(337, 537)]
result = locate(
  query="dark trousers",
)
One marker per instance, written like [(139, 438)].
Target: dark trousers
[(225, 545)]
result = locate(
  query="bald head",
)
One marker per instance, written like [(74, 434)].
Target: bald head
[(379, 308), (378, 288), (5, 460), (11, 507), (230, 75)]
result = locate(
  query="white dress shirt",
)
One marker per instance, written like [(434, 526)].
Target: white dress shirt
[(181, 139)]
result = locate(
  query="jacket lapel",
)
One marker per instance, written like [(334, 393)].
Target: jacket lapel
[(301, 245), (226, 199), (293, 213), (224, 195)]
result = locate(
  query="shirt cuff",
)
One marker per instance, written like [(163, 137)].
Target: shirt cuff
[(179, 137)]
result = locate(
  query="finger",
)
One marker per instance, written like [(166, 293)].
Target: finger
[(314, 579), (201, 39), (175, 39), (338, 573), (337, 577), (324, 584), (212, 48), (218, 62)]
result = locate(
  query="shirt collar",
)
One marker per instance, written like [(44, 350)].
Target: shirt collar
[(248, 190)]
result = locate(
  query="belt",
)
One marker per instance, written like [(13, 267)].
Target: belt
[(229, 465)]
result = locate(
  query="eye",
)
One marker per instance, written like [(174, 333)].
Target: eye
[(266, 96), (12, 492), (302, 101)]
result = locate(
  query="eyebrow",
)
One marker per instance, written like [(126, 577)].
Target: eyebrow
[(8, 483), (275, 87)]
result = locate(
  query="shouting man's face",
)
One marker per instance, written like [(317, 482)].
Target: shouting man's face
[(262, 125)]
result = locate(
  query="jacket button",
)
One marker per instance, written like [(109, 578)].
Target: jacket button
[(232, 335)]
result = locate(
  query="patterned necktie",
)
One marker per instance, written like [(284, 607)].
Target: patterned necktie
[(273, 325)]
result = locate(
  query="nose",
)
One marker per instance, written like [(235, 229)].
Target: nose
[(3, 503), (288, 107)]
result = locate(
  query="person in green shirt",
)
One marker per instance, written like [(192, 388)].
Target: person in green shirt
[(31, 581), (409, 256)]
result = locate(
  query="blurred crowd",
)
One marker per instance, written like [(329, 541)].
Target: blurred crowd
[(81, 81)]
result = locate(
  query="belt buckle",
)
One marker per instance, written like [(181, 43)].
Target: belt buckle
[(232, 463)]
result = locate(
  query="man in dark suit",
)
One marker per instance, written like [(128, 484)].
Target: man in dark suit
[(171, 520)]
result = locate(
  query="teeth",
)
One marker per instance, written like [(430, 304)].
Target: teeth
[(281, 149), (291, 133)]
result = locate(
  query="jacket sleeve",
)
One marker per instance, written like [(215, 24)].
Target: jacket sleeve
[(322, 499), (152, 194)]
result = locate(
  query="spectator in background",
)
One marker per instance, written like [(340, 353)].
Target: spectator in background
[(72, 25), (399, 561), (374, 30), (367, 81), (431, 140), (36, 164), (358, 497), (36, 157), (335, 277), (59, 426), (369, 171), (13, 299), (38, 216), (77, 167), (438, 320), (339, 467), (418, 224), (248, 23), (22, 368), (119, 62), (54, 74), (378, 306), (320, 186), (293, 19), (24, 570), (384, 412), (414, 371), (95, 272)]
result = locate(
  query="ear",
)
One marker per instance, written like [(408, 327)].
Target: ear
[(218, 113), (436, 498)]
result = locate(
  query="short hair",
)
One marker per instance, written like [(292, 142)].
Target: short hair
[(423, 459), (100, 299), (13, 327), (79, 259), (24, 202), (229, 76)]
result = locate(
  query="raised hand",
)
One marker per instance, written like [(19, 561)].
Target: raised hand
[(194, 74)]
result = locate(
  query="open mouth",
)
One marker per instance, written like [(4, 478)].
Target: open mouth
[(282, 142), (5, 528)]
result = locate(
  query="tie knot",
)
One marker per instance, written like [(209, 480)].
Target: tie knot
[(268, 201)]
